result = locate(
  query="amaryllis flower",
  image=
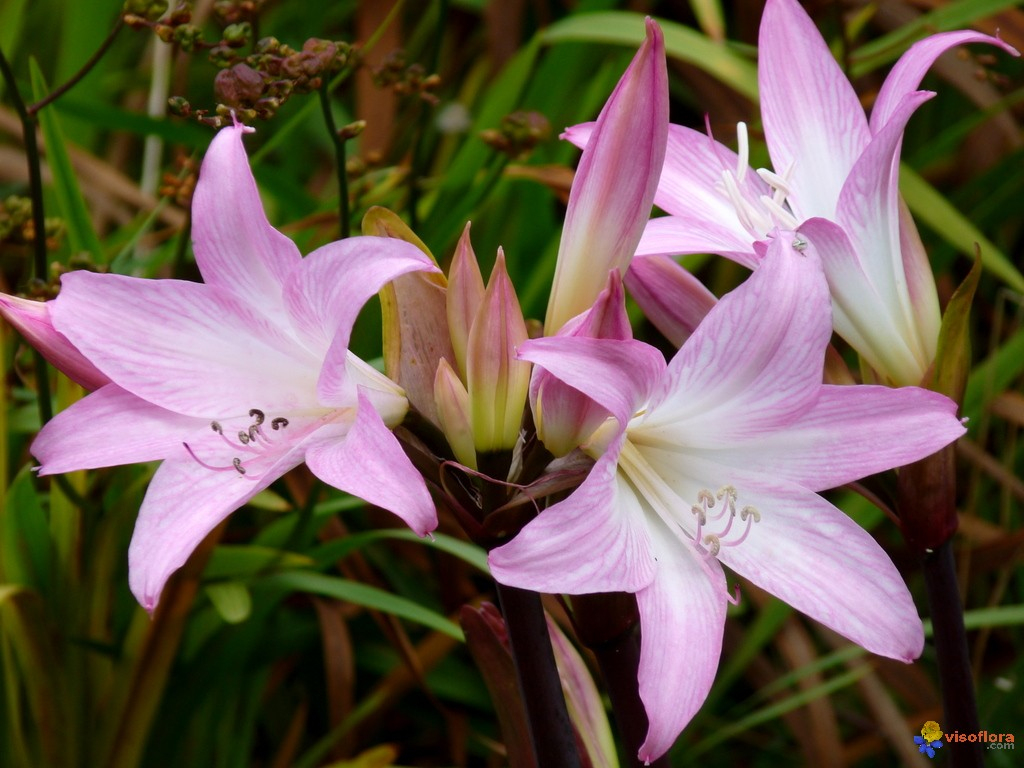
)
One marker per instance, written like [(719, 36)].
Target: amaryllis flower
[(716, 459), (611, 195), (829, 162), (234, 381)]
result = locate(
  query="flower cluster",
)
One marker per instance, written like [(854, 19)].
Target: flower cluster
[(714, 458)]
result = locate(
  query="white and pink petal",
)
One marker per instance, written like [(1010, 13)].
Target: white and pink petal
[(108, 428), (236, 247), (596, 540)]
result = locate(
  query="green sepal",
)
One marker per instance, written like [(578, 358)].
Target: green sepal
[(952, 363)]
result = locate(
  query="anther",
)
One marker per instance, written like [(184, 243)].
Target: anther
[(279, 423), (243, 438), (713, 543), (257, 414), (751, 513), (216, 427), (743, 159), (237, 463)]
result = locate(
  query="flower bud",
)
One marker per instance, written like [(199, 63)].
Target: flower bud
[(498, 381), (465, 292), (452, 402)]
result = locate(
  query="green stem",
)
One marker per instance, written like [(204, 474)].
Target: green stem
[(959, 704), (35, 185), (339, 160), (59, 91), (539, 684)]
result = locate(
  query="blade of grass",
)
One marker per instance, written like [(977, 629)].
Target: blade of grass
[(934, 210), (81, 234), (681, 42), (364, 595)]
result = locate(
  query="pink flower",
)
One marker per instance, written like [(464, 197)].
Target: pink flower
[(611, 195), (830, 162), (716, 459), (236, 380)]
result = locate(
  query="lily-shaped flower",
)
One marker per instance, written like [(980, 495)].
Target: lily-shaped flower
[(609, 204), (234, 381), (614, 186), (830, 162), (718, 458)]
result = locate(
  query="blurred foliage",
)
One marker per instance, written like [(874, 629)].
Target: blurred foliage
[(305, 632)]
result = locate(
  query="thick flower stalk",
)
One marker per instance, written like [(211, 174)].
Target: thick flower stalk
[(717, 459), (830, 162), (233, 381)]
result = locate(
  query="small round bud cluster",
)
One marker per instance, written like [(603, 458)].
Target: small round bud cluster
[(237, 11), (255, 86), (147, 10), (519, 133), (17, 227), (406, 79), (176, 28)]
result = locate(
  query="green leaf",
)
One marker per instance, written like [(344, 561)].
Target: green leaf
[(81, 235), (994, 375), (681, 42), (778, 709), (953, 356), (231, 599), (937, 212), (25, 549), (340, 548), (364, 595), (946, 17), (233, 561)]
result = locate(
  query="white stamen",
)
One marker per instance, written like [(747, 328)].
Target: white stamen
[(743, 152)]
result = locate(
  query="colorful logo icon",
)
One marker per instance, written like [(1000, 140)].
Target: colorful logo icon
[(930, 738)]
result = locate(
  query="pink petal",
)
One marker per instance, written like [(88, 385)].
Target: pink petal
[(615, 183), (809, 554), (756, 360), (682, 619), (868, 210), (184, 502), (619, 375), (235, 246), (32, 320), (465, 293), (870, 323), (594, 541), (369, 463), (908, 72), (108, 428), (326, 293), (691, 179), (686, 233), (565, 417), (671, 298), (813, 121), (924, 297), (849, 433), (187, 347)]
